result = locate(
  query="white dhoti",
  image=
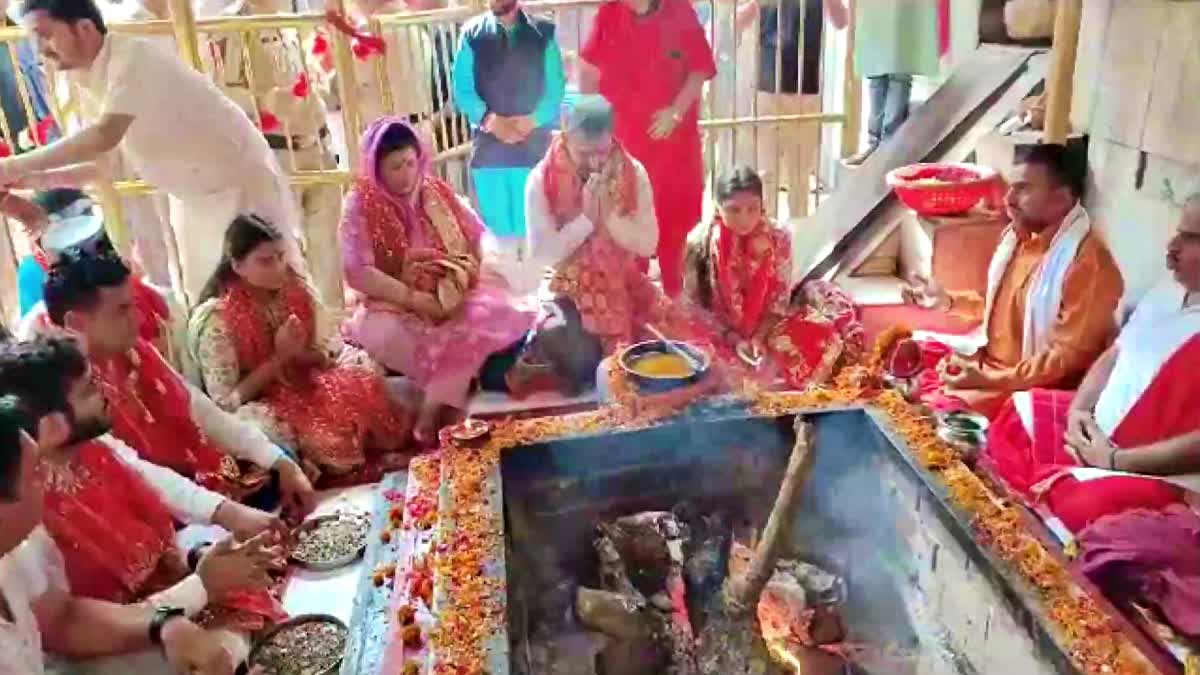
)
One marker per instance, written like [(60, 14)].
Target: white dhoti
[(201, 219)]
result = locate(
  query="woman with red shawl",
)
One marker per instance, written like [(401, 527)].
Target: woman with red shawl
[(650, 59), (412, 248), (267, 351), (738, 271)]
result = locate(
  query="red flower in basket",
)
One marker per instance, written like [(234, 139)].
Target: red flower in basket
[(300, 87), (5, 150), (943, 189), (905, 361)]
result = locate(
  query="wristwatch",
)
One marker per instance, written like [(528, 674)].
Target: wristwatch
[(161, 616)]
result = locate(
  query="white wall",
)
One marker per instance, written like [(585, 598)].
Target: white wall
[(1137, 93)]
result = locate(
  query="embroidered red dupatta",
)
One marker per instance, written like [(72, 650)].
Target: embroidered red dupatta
[(151, 411), (600, 277), (118, 538), (745, 269)]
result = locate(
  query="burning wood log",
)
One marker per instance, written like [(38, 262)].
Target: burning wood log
[(652, 538), (731, 642), (620, 611), (614, 614), (707, 558)]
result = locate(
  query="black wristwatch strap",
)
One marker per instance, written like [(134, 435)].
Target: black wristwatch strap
[(161, 616)]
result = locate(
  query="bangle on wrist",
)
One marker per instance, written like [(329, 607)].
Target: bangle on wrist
[(1112, 458)]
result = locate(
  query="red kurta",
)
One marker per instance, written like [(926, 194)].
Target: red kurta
[(643, 63)]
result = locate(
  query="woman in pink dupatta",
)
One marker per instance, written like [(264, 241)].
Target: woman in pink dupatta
[(411, 248)]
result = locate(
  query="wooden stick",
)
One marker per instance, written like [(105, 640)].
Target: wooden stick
[(742, 593)]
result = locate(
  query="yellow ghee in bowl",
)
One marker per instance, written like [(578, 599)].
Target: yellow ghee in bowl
[(662, 365)]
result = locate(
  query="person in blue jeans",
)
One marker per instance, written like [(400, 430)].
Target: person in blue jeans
[(508, 81), (893, 42)]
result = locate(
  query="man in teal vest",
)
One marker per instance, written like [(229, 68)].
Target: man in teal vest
[(508, 81)]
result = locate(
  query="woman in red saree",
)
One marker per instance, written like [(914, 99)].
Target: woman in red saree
[(267, 351), (650, 59), (738, 270)]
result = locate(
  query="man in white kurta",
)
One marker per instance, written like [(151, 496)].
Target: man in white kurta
[(178, 131)]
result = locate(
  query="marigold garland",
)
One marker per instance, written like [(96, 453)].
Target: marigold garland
[(470, 605), (884, 343)]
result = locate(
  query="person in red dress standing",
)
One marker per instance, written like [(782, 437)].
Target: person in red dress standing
[(650, 59)]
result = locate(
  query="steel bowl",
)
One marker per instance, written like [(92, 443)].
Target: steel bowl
[(962, 421), (347, 559), (653, 384), (296, 621), (967, 442)]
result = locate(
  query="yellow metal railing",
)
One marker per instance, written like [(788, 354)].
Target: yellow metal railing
[(428, 38)]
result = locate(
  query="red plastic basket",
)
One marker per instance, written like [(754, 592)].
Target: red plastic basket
[(942, 189)]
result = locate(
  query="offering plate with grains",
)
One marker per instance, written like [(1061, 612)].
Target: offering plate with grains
[(311, 644), (329, 542)]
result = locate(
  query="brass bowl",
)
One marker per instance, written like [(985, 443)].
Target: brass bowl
[(655, 383)]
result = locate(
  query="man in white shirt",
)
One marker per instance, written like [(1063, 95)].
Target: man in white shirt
[(35, 602), (177, 130), (589, 210), (156, 412)]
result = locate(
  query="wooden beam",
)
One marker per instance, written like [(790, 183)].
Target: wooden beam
[(1062, 71)]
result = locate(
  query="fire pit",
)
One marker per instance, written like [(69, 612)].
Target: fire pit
[(878, 574), (549, 553)]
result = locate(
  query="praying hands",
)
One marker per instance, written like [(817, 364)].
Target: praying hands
[(509, 130)]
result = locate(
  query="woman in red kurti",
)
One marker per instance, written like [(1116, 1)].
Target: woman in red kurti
[(650, 59)]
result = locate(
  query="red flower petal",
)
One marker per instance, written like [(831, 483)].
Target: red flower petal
[(300, 88), (44, 127), (362, 51), (267, 121), (5, 150), (320, 45)]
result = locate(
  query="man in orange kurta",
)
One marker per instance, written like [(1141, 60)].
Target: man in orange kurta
[(1053, 289)]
